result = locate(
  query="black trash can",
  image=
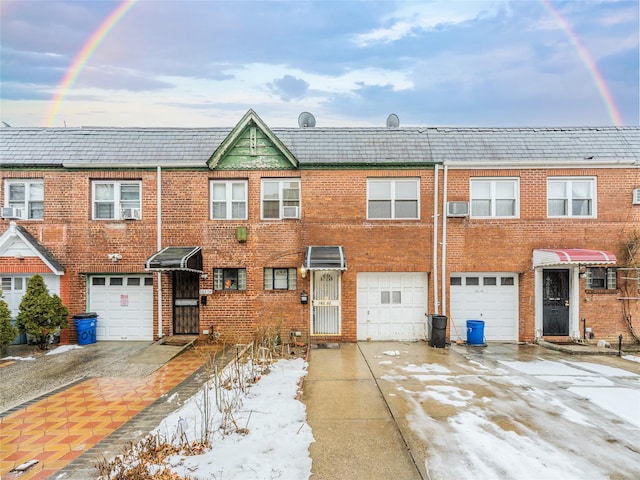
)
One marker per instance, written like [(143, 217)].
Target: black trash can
[(86, 327), (438, 336)]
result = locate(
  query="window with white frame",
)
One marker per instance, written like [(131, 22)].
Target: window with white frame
[(600, 278), (280, 198), (229, 200), (571, 197), (26, 197), (116, 200), (495, 197), (393, 198), (229, 278), (280, 279)]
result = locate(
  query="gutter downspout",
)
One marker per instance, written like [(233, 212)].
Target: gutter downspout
[(444, 241), (159, 243), (436, 305)]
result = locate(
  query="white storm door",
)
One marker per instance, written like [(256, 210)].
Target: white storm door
[(325, 302)]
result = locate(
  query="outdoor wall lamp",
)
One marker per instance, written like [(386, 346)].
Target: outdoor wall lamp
[(304, 298), (303, 272)]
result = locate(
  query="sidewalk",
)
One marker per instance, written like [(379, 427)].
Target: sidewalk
[(68, 429), (356, 436)]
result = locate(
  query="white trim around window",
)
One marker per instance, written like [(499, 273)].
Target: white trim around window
[(228, 199), (495, 197), (393, 199), (111, 199), (572, 197), (280, 198), (26, 197)]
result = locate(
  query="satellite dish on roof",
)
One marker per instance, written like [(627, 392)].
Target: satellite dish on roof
[(305, 119), (393, 121)]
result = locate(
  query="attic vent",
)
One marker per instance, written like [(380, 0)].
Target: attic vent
[(305, 119), (253, 142)]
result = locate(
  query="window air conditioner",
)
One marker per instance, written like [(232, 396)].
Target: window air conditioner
[(11, 213), (290, 212), (636, 196), (457, 209), (131, 214)]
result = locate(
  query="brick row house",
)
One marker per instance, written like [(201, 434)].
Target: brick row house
[(327, 234)]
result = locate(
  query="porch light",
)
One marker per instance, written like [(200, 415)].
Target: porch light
[(303, 272)]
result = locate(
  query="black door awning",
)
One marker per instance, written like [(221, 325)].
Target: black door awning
[(325, 258), (188, 259)]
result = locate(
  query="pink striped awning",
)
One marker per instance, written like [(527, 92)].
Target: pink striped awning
[(572, 256)]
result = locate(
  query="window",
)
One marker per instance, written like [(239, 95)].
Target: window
[(393, 199), (27, 196), (111, 199), (601, 279), (495, 197), (229, 200), (229, 279), (280, 279), (280, 199), (571, 197), (390, 297)]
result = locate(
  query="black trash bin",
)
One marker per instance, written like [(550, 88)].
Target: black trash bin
[(86, 327), (438, 336)]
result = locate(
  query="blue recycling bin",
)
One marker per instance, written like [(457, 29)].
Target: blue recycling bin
[(475, 332), (86, 327)]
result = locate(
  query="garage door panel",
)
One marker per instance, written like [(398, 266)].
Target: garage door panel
[(125, 309), (493, 300), (393, 307)]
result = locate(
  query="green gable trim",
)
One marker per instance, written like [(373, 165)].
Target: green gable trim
[(251, 145)]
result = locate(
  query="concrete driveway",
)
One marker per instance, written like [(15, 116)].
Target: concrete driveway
[(505, 411)]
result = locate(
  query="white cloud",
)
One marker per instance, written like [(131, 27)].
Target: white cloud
[(412, 18)]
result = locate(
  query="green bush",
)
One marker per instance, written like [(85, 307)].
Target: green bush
[(8, 332), (41, 315)]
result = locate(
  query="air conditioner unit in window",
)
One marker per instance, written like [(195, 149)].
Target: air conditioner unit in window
[(11, 213), (636, 196), (290, 212), (457, 209), (131, 214)]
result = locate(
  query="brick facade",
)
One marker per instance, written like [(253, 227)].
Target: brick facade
[(333, 212)]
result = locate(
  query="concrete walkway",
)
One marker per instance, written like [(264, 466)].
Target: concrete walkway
[(405, 411), (356, 437)]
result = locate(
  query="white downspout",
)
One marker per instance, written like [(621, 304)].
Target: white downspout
[(436, 306), (159, 243), (444, 241)]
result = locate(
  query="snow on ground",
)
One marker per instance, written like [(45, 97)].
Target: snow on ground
[(586, 380), (498, 424), (62, 349), (275, 437)]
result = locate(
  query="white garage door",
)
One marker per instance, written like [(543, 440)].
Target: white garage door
[(124, 305), (392, 306), (491, 297)]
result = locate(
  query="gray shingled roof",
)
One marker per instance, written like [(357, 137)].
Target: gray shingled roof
[(322, 146)]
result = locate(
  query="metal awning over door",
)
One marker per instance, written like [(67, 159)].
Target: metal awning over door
[(572, 256), (187, 259), (325, 258)]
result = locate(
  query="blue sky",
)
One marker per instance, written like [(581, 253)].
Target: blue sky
[(350, 63)]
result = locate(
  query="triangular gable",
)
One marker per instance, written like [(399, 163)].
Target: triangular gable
[(17, 242), (251, 145)]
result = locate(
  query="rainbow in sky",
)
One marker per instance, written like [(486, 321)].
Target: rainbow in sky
[(83, 56), (103, 30)]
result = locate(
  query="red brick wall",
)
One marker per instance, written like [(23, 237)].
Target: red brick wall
[(333, 213)]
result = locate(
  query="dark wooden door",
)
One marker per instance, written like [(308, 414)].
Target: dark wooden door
[(186, 310), (555, 297)]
